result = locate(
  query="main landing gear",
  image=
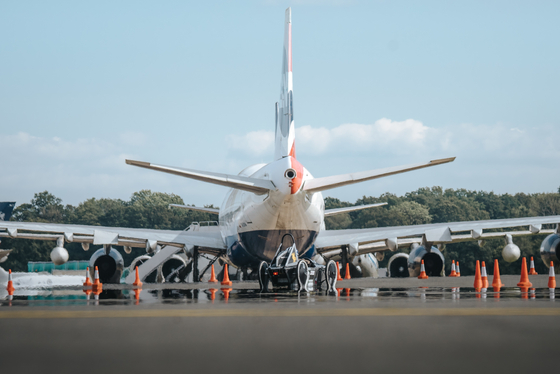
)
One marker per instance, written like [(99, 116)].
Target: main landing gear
[(288, 271)]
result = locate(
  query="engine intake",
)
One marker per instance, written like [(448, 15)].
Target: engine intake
[(433, 261), (109, 263)]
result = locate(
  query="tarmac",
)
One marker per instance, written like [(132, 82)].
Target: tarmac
[(374, 325)]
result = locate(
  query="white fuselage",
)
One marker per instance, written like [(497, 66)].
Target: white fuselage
[(255, 224)]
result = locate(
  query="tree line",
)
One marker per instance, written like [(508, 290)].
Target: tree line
[(147, 209)]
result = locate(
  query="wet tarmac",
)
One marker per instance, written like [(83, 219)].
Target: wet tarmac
[(385, 325)]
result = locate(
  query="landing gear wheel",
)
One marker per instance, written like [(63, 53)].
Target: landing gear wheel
[(330, 275), (263, 276), (302, 275)]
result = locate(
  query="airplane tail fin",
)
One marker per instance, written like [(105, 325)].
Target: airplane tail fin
[(6, 209), (285, 131)]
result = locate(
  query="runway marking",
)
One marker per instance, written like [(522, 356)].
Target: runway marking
[(334, 312)]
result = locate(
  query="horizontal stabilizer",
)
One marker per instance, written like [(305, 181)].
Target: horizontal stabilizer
[(255, 185), (332, 212), (205, 210), (327, 183)]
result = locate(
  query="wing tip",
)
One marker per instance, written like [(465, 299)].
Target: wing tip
[(137, 163), (442, 160)]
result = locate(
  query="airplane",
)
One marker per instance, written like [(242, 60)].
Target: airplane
[(267, 201)]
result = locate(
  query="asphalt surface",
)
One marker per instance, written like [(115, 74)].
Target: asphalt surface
[(375, 328)]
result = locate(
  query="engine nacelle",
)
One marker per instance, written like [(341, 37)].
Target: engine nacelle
[(367, 265), (110, 265), (174, 270), (433, 261), (550, 248), (398, 266)]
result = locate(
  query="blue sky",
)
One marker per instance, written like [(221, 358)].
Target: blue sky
[(193, 84)]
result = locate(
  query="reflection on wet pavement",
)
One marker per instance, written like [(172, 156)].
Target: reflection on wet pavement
[(126, 296)]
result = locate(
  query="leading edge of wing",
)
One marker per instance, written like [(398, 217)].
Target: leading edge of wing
[(255, 185), (327, 183), (331, 238), (86, 233), (332, 212)]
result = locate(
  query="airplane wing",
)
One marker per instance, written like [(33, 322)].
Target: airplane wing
[(327, 183), (390, 238), (332, 212), (198, 209), (207, 238), (255, 185)]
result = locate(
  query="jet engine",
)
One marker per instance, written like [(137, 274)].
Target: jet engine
[(398, 266), (402, 265), (109, 263), (173, 270), (366, 265), (433, 261), (550, 248)]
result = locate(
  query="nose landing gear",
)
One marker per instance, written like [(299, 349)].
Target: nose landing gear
[(288, 271)]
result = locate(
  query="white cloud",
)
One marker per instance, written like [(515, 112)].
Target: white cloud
[(383, 134)]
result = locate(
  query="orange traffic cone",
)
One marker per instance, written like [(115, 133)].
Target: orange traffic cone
[(137, 282), (213, 276), (477, 277), (551, 277), (496, 281), (453, 271), (423, 274), (226, 281), (524, 281), (484, 276), (97, 286), (347, 273), (10, 287), (458, 274), (213, 293), (532, 270), (87, 283), (338, 277)]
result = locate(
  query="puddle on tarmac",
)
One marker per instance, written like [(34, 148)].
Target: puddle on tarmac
[(126, 296)]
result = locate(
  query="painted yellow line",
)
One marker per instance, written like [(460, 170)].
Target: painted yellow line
[(312, 312)]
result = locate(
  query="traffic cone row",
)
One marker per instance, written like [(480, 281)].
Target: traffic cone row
[(226, 281), (423, 274), (484, 276), (551, 277), (532, 270)]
